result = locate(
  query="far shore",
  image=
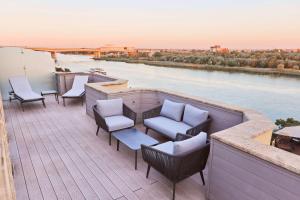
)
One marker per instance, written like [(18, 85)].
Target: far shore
[(251, 70)]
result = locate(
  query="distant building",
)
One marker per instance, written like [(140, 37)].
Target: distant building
[(116, 51), (218, 49)]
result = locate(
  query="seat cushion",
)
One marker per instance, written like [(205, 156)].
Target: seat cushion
[(190, 144), (194, 116), (166, 126), (167, 147), (111, 107), (172, 110), (119, 122)]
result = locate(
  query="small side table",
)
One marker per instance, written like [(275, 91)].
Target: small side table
[(51, 92)]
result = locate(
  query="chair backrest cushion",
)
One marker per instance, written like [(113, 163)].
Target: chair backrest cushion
[(20, 84), (194, 116), (190, 144), (172, 110), (111, 107)]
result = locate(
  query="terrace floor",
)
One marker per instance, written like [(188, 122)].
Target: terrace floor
[(56, 155)]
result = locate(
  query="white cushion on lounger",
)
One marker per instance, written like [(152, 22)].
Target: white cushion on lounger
[(22, 88), (190, 144), (78, 86), (110, 107), (115, 123), (167, 126), (172, 110), (167, 147), (194, 116)]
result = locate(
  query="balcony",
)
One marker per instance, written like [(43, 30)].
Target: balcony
[(56, 154)]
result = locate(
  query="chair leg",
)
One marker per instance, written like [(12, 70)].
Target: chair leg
[(202, 177), (146, 130), (64, 103), (148, 170), (97, 130), (22, 107), (174, 186), (109, 138), (44, 103)]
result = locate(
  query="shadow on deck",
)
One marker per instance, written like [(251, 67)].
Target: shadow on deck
[(56, 155)]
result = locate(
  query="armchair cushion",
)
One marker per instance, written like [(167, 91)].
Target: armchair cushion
[(172, 110), (193, 143), (111, 107), (118, 122), (194, 116), (167, 147), (166, 126)]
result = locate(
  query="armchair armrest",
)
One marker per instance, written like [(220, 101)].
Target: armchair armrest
[(204, 126), (155, 112), (180, 137), (129, 113), (100, 121), (163, 162)]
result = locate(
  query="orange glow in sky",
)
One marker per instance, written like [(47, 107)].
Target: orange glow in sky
[(151, 24)]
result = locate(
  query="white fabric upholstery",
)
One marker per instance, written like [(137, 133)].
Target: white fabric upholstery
[(172, 110), (190, 144), (167, 147), (78, 87), (22, 88), (110, 107), (115, 123), (194, 116), (167, 126)]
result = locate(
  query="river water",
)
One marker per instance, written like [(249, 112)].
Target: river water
[(276, 97)]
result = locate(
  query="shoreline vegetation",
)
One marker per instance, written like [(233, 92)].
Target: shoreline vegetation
[(232, 69)]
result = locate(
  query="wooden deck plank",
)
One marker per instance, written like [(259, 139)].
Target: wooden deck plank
[(58, 144)]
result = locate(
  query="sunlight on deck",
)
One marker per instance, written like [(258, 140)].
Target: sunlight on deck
[(56, 155)]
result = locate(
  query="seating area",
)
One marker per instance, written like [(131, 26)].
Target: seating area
[(56, 154), (176, 121)]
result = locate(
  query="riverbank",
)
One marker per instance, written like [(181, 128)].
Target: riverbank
[(251, 70)]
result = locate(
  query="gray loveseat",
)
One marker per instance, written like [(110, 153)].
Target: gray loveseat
[(172, 118)]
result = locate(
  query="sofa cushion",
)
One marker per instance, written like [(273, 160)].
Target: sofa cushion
[(166, 126), (172, 110), (167, 147), (190, 144), (119, 122), (111, 107), (194, 116)]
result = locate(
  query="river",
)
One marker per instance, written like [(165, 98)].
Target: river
[(276, 97)]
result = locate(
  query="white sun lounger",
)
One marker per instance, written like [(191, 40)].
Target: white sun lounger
[(77, 90), (23, 92)]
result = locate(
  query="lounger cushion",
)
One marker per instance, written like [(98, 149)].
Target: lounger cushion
[(194, 116), (172, 110), (167, 126), (190, 144), (111, 107), (77, 89), (22, 88), (119, 122), (167, 147)]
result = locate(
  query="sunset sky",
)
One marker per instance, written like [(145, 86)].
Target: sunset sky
[(151, 23)]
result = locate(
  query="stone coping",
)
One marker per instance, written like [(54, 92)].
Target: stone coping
[(242, 136)]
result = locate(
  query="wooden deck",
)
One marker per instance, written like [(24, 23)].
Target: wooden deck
[(56, 155)]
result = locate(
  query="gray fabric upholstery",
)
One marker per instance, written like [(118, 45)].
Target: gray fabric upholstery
[(119, 122), (194, 116), (172, 110), (190, 144), (167, 126), (167, 147), (111, 107)]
